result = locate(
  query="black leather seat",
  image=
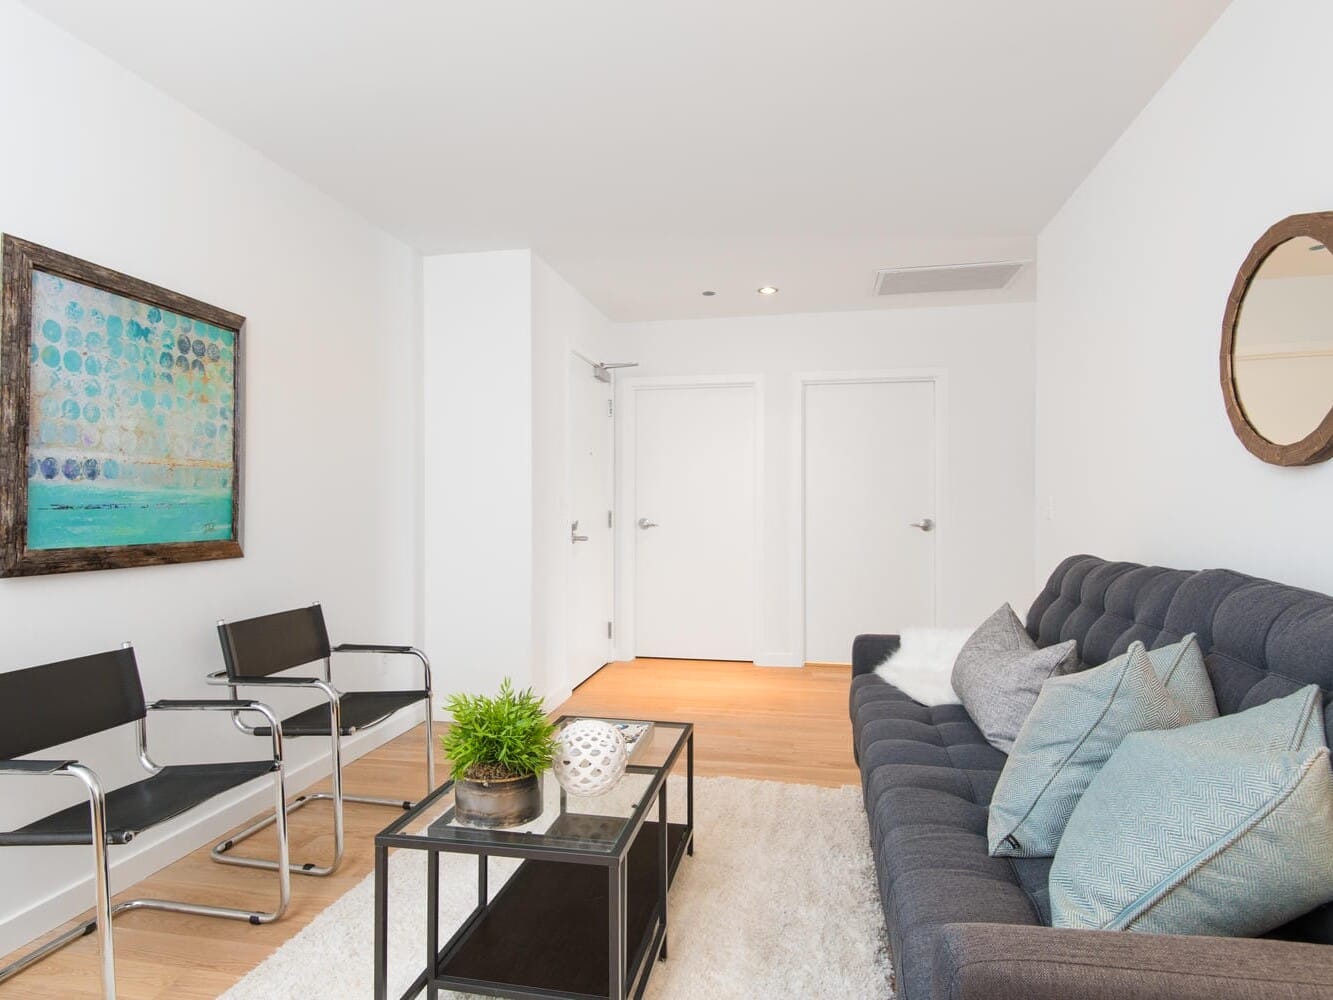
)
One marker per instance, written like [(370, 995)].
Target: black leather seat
[(132, 809), (360, 710)]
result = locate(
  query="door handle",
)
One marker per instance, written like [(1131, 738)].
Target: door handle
[(645, 523), (574, 535), (925, 524)]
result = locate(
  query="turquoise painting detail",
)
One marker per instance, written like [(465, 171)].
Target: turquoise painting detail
[(131, 421)]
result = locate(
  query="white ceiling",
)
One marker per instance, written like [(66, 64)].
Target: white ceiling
[(651, 149)]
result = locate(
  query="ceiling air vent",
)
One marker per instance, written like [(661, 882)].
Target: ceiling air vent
[(947, 277)]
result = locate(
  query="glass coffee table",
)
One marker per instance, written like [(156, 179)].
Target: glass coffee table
[(585, 912)]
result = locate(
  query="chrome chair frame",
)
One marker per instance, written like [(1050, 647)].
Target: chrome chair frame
[(105, 910), (221, 850)]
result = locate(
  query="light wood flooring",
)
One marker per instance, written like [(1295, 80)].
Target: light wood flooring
[(768, 723)]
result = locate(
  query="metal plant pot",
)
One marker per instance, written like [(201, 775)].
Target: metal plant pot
[(501, 803)]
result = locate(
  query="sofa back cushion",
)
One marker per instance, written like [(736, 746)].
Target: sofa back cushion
[(1261, 640)]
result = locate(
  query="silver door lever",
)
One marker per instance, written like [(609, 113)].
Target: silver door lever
[(645, 523), (925, 524), (574, 535)]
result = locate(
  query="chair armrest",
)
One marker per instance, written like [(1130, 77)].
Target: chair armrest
[(34, 766), (869, 651), (203, 704), (361, 647), (331, 694), (1008, 962), (221, 679), (233, 705)]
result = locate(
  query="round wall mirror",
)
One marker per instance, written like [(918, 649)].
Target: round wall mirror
[(1277, 344)]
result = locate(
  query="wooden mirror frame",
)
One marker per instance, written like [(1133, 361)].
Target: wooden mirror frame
[(1317, 446)]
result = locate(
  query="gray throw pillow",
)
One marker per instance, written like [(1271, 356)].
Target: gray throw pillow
[(1220, 828), (1076, 725), (999, 673)]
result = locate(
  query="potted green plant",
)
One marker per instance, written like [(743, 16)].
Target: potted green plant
[(498, 748)]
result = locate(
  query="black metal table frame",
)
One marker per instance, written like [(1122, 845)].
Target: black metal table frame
[(624, 971)]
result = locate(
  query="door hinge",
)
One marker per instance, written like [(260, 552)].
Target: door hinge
[(610, 519), (610, 407), (609, 631)]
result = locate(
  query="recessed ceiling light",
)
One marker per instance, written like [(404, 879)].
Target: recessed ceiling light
[(768, 290), (708, 293)]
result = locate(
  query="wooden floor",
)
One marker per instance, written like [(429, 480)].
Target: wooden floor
[(754, 722)]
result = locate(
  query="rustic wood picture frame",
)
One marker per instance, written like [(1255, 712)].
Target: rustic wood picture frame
[(20, 259), (1317, 446)]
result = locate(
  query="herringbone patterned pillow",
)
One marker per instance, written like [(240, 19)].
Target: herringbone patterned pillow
[(1182, 670), (1223, 828), (1076, 725)]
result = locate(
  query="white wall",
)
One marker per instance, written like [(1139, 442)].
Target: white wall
[(1135, 456), (498, 331), (985, 542), (101, 166), (477, 471)]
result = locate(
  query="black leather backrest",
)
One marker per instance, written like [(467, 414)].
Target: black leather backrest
[(45, 706), (269, 644)]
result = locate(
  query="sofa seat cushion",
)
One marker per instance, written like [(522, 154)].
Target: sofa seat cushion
[(881, 712), (926, 901), (872, 687), (928, 776)]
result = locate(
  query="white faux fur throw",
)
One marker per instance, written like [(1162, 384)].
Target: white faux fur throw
[(922, 666)]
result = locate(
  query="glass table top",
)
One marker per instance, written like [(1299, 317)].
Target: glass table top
[(567, 823)]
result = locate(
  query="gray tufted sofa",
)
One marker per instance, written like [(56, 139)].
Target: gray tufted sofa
[(965, 925)]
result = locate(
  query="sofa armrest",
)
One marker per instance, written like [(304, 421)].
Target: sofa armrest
[(869, 651), (1008, 962)]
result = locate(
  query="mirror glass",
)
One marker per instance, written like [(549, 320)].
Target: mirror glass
[(1283, 354)]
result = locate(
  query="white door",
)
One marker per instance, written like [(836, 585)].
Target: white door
[(694, 490), (869, 481), (591, 486)]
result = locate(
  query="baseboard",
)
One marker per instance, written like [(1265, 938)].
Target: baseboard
[(157, 849), (779, 660)]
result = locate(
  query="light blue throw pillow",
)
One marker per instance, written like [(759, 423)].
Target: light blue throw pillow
[(1221, 828), (1182, 670), (1075, 726)]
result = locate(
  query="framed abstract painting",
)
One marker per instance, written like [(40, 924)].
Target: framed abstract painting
[(120, 417)]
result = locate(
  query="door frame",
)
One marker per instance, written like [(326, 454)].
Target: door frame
[(937, 376), (627, 397), (567, 682)]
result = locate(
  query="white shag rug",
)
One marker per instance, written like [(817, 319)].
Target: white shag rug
[(779, 900)]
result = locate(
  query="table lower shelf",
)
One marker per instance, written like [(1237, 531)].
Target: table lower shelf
[(546, 929)]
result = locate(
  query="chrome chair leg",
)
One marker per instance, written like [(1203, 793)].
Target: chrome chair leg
[(105, 911), (102, 912), (430, 747), (221, 850), (102, 874)]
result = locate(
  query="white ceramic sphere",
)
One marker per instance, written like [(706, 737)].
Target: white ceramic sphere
[(591, 758)]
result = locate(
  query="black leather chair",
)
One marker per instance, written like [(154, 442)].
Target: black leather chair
[(53, 704), (256, 651)]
